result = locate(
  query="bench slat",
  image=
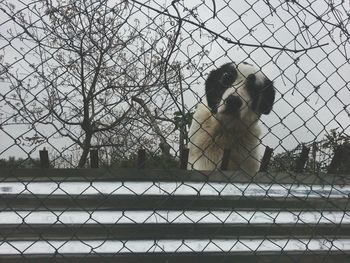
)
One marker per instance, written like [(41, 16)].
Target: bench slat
[(170, 231), (247, 257), (69, 175), (28, 202)]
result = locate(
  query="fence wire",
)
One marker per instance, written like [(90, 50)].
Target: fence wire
[(215, 77)]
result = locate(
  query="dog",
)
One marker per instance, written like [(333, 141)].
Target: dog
[(237, 94)]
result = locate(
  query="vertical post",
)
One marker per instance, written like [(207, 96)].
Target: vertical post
[(336, 161), (265, 161), (44, 158), (94, 158), (141, 158), (314, 155), (225, 159), (301, 161), (184, 158)]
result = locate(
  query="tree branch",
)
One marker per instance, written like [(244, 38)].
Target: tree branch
[(113, 124), (163, 143), (226, 39)]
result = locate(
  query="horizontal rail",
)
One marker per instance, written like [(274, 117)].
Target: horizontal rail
[(184, 257), (37, 232), (173, 175), (27, 202)]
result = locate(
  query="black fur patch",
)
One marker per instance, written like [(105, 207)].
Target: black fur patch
[(263, 96), (217, 83)]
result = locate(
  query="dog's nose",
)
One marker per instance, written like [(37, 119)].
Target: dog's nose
[(233, 102)]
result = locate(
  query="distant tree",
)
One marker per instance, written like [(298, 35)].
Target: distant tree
[(321, 154), (12, 162), (339, 144), (334, 139), (283, 162)]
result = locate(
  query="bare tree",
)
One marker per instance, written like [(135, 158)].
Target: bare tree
[(90, 58)]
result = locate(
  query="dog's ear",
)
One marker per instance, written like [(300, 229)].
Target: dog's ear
[(216, 84), (263, 95), (267, 97)]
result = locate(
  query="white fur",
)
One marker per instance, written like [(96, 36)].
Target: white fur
[(211, 133)]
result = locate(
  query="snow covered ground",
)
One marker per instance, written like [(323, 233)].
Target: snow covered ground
[(175, 217), (189, 245)]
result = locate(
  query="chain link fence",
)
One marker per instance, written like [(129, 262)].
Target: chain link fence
[(123, 76)]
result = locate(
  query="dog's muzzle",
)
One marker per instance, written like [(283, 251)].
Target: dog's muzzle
[(233, 104)]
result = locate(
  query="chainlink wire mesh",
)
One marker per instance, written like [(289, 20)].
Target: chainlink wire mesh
[(120, 76)]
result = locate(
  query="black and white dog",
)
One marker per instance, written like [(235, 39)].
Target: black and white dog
[(236, 96)]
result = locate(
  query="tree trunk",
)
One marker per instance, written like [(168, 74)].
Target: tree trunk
[(86, 149)]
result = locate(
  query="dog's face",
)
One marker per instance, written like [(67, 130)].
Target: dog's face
[(238, 90)]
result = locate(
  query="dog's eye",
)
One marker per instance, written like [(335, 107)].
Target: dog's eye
[(227, 79)]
